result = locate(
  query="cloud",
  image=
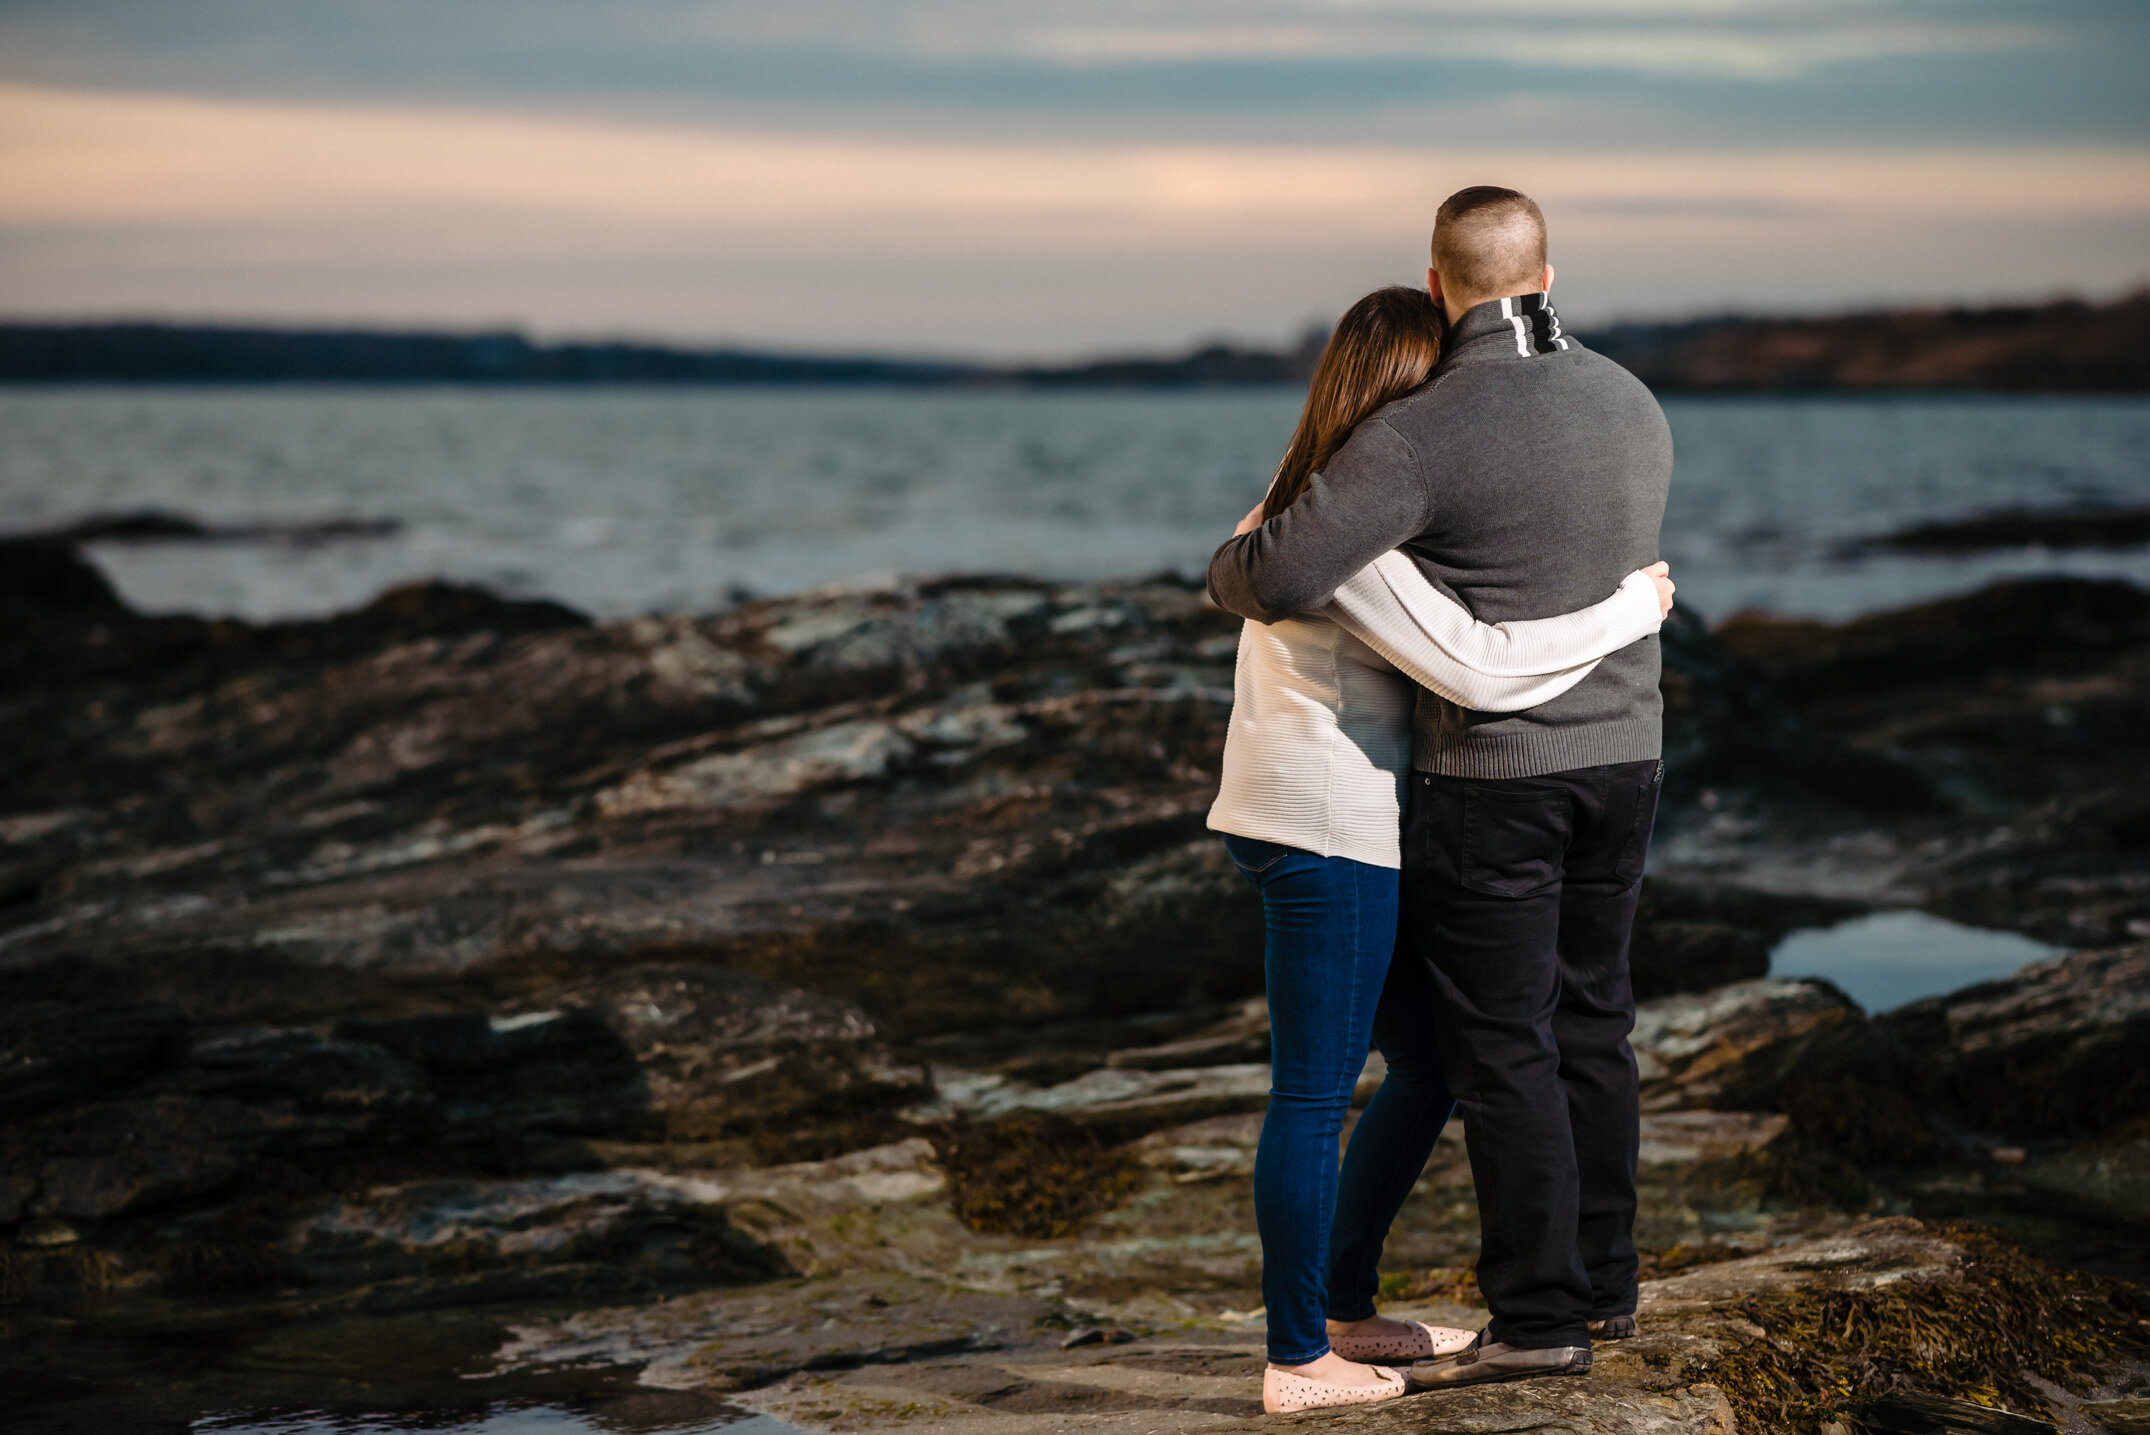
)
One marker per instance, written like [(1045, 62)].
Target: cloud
[(76, 156), (1653, 47), (128, 202), (1752, 40)]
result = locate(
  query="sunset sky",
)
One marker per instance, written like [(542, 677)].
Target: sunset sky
[(1034, 178)]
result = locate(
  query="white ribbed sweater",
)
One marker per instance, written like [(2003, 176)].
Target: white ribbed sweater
[(1320, 738)]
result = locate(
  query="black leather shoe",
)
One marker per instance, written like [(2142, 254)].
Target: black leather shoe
[(1613, 1327), (1485, 1361)]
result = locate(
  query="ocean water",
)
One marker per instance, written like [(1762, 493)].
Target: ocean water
[(622, 501)]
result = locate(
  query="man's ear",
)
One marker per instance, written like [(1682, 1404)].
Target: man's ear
[(1548, 278), (1433, 286)]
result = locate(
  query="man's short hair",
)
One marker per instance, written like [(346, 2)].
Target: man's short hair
[(1488, 242)]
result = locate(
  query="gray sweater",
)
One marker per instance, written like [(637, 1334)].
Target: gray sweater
[(1526, 480)]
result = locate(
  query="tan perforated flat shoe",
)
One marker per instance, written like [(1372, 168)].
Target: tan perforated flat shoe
[(1284, 1392), (1421, 1342)]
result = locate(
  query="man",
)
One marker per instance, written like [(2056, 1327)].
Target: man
[(1526, 479)]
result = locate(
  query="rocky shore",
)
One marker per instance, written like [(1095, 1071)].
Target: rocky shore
[(718, 1005)]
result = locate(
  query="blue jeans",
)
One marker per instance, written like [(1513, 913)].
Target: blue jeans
[(1330, 929)]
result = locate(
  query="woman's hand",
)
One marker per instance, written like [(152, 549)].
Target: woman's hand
[(1252, 521), (1661, 576)]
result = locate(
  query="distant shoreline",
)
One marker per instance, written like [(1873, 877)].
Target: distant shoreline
[(2067, 346)]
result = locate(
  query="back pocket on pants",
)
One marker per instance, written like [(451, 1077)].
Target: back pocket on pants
[(1253, 857), (1513, 840)]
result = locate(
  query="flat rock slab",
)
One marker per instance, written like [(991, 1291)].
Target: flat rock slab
[(870, 1353), (728, 1340), (1161, 1386)]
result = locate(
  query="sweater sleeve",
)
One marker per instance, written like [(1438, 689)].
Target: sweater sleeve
[(1488, 667), (1371, 498)]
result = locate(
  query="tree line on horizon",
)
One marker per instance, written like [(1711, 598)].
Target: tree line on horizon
[(2066, 345)]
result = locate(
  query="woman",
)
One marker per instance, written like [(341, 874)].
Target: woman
[(1310, 803)]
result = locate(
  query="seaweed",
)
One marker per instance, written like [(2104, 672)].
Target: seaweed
[(1038, 1176), (1455, 1284), (1682, 1256), (1837, 1355), (64, 1275)]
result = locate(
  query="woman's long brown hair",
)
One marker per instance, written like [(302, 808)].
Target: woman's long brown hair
[(1385, 346)]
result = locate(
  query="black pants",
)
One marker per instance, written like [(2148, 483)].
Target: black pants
[(1518, 896)]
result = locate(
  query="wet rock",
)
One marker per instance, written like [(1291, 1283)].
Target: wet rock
[(2070, 872), (2033, 768), (2105, 1181), (16, 1188), (631, 1224), (437, 609), (1670, 955), (564, 1070), (1695, 935), (1097, 1335), (2130, 1416), (1240, 1038), (304, 1094), (53, 1051), (107, 1158), (47, 1234), (2019, 627), (726, 1341), (1220, 1148), (443, 798), (300, 1096), (2061, 1048), (898, 1172), (1735, 1047), (722, 1051), (1223, 1148), (515, 940), (1728, 726), (2023, 528), (1693, 1326), (193, 1130), (1117, 1099), (2025, 703), (48, 573), (764, 772), (1864, 1257), (1680, 1138), (868, 630)]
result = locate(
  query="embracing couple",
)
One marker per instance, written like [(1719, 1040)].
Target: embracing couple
[(1441, 775)]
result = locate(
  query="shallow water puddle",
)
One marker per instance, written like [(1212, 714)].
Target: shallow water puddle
[(1886, 959)]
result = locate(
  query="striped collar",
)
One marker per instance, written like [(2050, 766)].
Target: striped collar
[(1522, 326)]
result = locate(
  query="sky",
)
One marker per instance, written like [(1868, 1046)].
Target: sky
[(1048, 178)]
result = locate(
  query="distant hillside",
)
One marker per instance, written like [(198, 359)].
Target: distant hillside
[(1214, 366), (2065, 347), (183, 353)]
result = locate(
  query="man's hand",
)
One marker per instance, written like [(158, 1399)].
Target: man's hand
[(1252, 521), (1661, 575)]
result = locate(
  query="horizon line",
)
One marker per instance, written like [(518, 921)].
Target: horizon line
[(539, 337)]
